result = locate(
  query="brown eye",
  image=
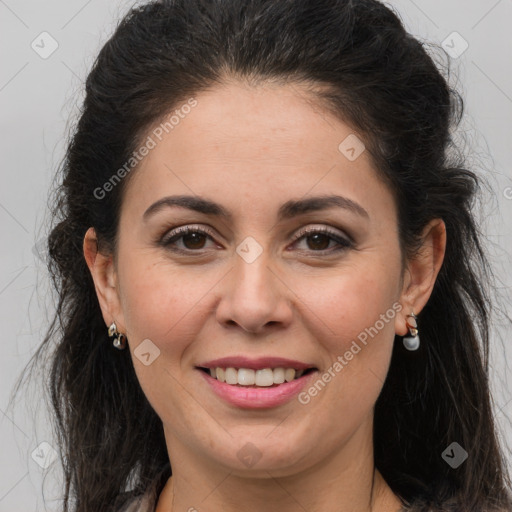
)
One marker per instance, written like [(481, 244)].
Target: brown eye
[(319, 239), (193, 239)]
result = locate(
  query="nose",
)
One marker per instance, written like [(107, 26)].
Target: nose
[(255, 298)]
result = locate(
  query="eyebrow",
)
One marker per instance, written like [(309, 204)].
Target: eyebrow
[(288, 210)]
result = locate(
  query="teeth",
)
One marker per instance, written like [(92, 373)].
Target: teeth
[(231, 376), (265, 377), (289, 374), (279, 375), (248, 377)]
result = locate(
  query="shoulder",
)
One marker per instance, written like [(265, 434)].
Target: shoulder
[(145, 498), (130, 502)]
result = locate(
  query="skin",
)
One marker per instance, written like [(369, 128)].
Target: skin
[(298, 300)]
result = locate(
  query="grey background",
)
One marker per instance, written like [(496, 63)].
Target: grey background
[(39, 100)]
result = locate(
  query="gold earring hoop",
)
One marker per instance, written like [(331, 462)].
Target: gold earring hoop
[(119, 338), (412, 341)]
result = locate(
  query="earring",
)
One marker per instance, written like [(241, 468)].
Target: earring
[(412, 342), (120, 339)]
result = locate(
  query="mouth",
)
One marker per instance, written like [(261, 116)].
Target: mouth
[(256, 378), (262, 383)]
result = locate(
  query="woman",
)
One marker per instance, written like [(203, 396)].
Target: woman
[(262, 210)]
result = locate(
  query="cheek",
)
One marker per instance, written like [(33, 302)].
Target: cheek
[(162, 303), (350, 303), (167, 307), (158, 303), (356, 332), (353, 316)]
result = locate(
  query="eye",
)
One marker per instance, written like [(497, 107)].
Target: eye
[(320, 239), (192, 237)]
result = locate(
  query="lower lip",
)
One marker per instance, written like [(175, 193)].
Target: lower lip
[(257, 398)]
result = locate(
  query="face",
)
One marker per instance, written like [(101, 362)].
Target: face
[(265, 278)]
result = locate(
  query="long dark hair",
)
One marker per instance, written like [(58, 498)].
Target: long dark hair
[(388, 87)]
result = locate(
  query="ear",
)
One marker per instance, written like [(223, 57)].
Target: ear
[(104, 276), (421, 273)]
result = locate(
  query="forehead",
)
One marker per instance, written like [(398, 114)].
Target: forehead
[(259, 142)]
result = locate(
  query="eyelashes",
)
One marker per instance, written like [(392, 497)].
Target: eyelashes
[(326, 233), (193, 236), (169, 240)]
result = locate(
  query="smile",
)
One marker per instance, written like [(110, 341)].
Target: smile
[(270, 382), (266, 377)]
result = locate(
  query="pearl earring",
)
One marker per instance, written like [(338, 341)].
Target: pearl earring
[(412, 342), (119, 339)]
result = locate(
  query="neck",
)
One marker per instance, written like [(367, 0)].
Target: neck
[(346, 481)]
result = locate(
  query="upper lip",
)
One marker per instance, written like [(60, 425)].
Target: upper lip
[(255, 364)]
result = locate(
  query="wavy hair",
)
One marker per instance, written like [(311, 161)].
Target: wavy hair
[(384, 83)]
